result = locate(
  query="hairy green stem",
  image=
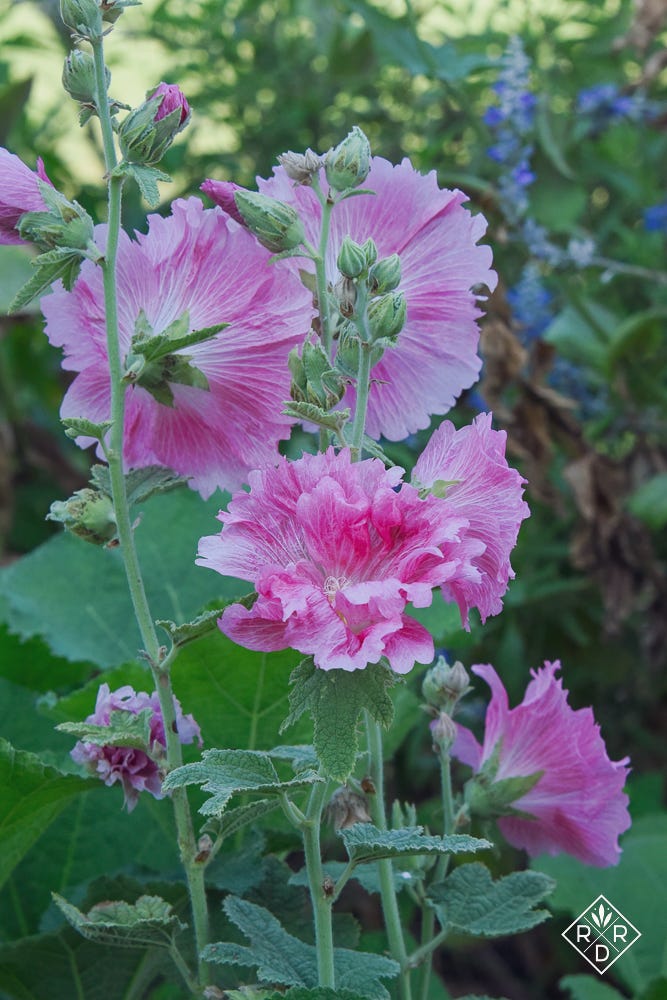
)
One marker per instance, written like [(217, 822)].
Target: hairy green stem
[(429, 943), (387, 889), (321, 900), (362, 388), (185, 832), (320, 270)]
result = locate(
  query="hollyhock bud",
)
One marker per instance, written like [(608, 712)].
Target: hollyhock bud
[(136, 770), (84, 17), (371, 251), (351, 259), (79, 77), (19, 193), (148, 131), (301, 167), (543, 769), (385, 275), (313, 379), (274, 224), (443, 730), (347, 165), (444, 685), (88, 514), (222, 193), (386, 316)]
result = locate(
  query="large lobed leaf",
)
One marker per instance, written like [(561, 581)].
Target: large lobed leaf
[(365, 842), (471, 901), (224, 773), (33, 794), (150, 921), (282, 959)]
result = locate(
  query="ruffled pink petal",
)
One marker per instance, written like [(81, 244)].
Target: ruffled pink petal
[(19, 193)]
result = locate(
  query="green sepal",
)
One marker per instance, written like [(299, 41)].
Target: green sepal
[(335, 699), (488, 797), (365, 842), (313, 379), (334, 420), (471, 901), (224, 773), (149, 922), (125, 729)]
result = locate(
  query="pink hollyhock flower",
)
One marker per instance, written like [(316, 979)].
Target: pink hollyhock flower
[(133, 768), (19, 193), (478, 484), (172, 99), (200, 261), (578, 806), (435, 238), (335, 552)]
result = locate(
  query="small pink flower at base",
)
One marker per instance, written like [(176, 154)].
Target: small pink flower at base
[(222, 193), (335, 553), (468, 467), (435, 238), (172, 99), (195, 261), (19, 193), (578, 805), (133, 768)]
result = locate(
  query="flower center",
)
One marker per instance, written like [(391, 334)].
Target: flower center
[(333, 584)]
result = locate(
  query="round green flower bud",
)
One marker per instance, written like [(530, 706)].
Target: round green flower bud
[(348, 164), (84, 17), (79, 76), (351, 259), (386, 316), (88, 514), (385, 275)]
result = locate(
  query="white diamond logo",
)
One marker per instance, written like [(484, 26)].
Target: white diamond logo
[(601, 934)]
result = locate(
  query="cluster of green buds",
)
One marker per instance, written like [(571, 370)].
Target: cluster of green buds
[(443, 688)]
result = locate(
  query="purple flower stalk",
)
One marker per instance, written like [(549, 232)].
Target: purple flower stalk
[(136, 770)]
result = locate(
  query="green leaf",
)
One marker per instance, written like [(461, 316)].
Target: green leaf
[(302, 758), (637, 886), (61, 263), (367, 876), (471, 901), (75, 596), (548, 141), (78, 426), (233, 820), (283, 959), (335, 699), (649, 502), (125, 729), (588, 988), (146, 179), (141, 484), (319, 993), (582, 334), (33, 796), (365, 842), (148, 921), (224, 773)]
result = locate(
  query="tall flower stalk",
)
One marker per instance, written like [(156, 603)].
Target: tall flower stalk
[(155, 654)]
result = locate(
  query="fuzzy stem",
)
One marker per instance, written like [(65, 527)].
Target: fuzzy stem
[(430, 943), (388, 892), (321, 903), (362, 388), (185, 831), (320, 269)]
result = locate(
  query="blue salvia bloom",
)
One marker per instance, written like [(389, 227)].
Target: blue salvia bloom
[(604, 104), (655, 218), (532, 304)]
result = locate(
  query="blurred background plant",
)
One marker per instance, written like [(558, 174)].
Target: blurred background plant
[(553, 117)]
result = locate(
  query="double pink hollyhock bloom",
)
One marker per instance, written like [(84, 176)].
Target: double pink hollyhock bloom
[(336, 550), (134, 769), (19, 193), (436, 239), (195, 260), (577, 806)]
